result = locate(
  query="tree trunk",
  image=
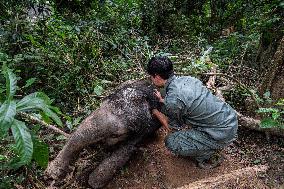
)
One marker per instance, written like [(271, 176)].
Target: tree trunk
[(273, 80), (270, 57)]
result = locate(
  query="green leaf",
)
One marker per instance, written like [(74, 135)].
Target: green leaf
[(40, 153), (257, 161), (267, 95), (29, 103), (2, 158), (39, 95), (55, 109), (29, 82), (35, 102), (266, 110), (24, 144), (45, 118), (7, 114), (98, 90), (268, 123), (51, 114), (275, 115), (280, 102), (11, 82)]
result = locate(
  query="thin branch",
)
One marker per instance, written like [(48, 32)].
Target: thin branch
[(211, 81), (243, 55), (36, 120)]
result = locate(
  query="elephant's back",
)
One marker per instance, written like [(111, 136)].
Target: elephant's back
[(129, 103)]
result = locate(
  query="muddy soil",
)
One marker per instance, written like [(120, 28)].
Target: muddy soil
[(153, 167)]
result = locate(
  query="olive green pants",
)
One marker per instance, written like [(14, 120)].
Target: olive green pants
[(193, 143)]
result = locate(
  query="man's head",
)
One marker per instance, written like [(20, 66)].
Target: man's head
[(160, 69)]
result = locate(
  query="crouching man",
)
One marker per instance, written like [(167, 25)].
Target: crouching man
[(187, 102)]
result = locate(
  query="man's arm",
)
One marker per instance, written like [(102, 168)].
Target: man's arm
[(162, 118), (173, 108)]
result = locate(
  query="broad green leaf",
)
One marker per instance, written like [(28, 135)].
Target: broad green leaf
[(11, 82), (268, 123), (45, 118), (7, 114), (29, 82), (51, 114), (29, 103), (24, 144), (55, 109), (32, 102), (40, 153), (38, 95)]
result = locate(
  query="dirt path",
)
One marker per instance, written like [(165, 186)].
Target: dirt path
[(153, 167)]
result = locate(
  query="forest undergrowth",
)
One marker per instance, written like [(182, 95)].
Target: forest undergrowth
[(59, 59)]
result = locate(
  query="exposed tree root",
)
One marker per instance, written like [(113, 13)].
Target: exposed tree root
[(227, 179), (254, 124)]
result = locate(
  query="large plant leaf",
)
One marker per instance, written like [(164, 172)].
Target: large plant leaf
[(34, 102), (32, 97), (11, 82), (51, 114), (29, 103), (24, 144), (7, 114), (40, 154)]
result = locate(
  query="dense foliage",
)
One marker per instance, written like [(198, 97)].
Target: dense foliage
[(74, 51)]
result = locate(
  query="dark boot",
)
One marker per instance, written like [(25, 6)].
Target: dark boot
[(214, 161)]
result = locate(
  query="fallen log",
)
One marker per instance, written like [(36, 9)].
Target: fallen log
[(244, 121), (254, 124), (230, 179)]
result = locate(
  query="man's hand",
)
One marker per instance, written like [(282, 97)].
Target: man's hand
[(158, 95), (162, 118)]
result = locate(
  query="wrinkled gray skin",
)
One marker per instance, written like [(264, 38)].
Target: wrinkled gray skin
[(123, 116)]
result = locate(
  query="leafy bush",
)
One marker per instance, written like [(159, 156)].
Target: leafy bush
[(27, 146), (273, 116), (72, 57)]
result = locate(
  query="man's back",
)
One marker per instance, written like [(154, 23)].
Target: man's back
[(199, 108)]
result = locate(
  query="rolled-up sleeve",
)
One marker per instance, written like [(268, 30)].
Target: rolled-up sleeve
[(174, 110)]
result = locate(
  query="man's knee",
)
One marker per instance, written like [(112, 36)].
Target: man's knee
[(184, 144), (172, 142)]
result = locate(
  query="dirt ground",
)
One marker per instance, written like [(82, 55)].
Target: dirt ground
[(153, 167)]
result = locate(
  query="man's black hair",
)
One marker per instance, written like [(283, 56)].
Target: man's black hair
[(161, 66)]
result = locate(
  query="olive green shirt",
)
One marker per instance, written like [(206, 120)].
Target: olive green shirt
[(188, 102)]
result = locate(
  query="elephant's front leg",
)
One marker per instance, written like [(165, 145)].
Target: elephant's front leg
[(92, 130)]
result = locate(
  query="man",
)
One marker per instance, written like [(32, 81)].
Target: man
[(188, 103)]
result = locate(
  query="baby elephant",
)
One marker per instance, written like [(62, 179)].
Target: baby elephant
[(123, 116)]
